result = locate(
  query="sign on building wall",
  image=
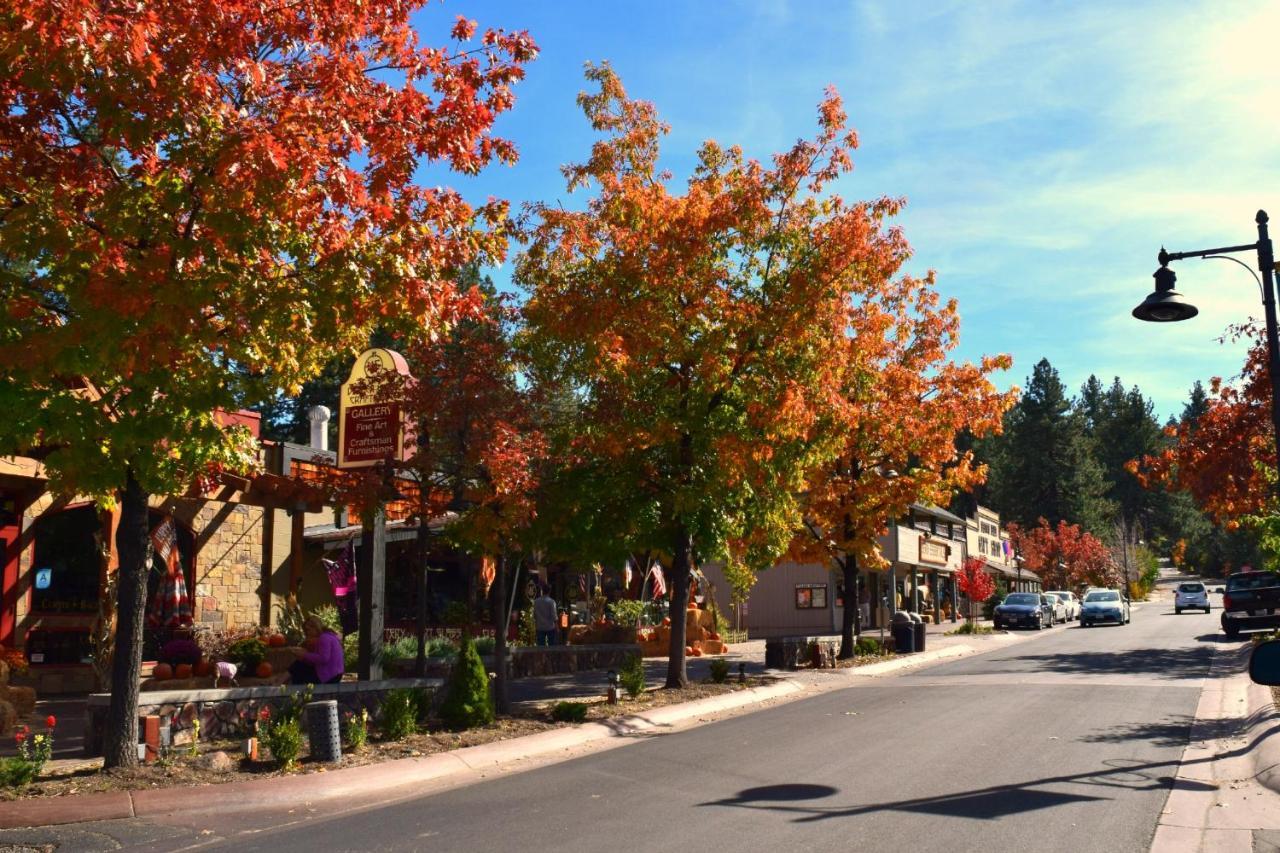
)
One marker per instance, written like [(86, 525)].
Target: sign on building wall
[(370, 420), (933, 552)]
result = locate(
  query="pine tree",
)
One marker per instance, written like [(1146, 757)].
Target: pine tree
[(1043, 467)]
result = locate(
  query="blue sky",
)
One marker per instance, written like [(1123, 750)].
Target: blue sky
[(1047, 149)]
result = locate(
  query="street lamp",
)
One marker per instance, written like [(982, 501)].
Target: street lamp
[(1166, 305)]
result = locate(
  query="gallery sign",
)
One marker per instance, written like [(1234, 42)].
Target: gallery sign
[(370, 420), (933, 552)]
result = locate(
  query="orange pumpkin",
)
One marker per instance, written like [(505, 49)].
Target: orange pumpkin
[(666, 621), (182, 670), (697, 652), (263, 671), (203, 668), (688, 650), (277, 640), (162, 672)]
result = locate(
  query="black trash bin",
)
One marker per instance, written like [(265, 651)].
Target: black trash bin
[(904, 635), (919, 628)]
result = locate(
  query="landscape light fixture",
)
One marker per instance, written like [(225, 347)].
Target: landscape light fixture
[(1166, 305)]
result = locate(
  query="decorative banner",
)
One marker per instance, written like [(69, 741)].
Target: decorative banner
[(370, 423)]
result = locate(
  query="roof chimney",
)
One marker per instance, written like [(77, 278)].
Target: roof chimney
[(319, 417)]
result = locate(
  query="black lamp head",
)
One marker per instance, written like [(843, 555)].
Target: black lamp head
[(1165, 305)]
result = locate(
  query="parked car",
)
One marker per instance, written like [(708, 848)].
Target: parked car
[(1104, 605), (1023, 610), (1252, 600), (1191, 595), (1057, 608), (1069, 599)]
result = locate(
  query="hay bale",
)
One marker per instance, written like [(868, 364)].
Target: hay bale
[(23, 699), (8, 716), (4, 673)]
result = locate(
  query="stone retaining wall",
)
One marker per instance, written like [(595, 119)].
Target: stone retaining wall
[(793, 652), (527, 662), (231, 712)]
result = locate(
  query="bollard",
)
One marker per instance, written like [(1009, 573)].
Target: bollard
[(323, 731)]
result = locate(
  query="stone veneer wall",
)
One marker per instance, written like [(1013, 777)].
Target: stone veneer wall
[(228, 563), (229, 713)]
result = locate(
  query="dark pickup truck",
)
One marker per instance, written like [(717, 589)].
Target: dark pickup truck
[(1251, 600)]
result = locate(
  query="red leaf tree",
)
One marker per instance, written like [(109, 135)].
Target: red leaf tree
[(1065, 556), (975, 583)]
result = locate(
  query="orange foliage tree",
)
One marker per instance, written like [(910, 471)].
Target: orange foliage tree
[(1065, 556), (905, 402), (705, 331), (1224, 458), (203, 202)]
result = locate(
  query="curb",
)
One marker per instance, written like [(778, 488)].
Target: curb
[(382, 779)]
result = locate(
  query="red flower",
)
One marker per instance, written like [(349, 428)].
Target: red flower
[(51, 721), (265, 713), (20, 736)]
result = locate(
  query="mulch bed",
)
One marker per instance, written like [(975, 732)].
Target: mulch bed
[(180, 769)]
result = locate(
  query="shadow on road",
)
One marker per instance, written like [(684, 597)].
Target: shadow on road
[(984, 804), (1176, 730), (1174, 664)]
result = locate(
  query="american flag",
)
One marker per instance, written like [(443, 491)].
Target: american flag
[(659, 582)]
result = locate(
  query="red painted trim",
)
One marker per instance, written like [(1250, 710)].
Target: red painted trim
[(9, 598)]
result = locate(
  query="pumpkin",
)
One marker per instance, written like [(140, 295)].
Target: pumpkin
[(277, 641), (688, 650), (203, 669), (666, 621), (182, 670), (162, 671), (263, 671), (715, 636)]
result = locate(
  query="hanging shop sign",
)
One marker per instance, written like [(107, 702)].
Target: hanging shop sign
[(371, 426), (933, 552)]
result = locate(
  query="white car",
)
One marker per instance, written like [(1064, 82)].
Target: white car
[(1191, 595), (1070, 601), (1058, 607)]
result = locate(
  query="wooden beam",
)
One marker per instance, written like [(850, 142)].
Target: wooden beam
[(297, 522)]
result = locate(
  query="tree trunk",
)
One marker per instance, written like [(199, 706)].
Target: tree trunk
[(120, 740), (420, 616), (850, 623), (681, 567), (500, 621)]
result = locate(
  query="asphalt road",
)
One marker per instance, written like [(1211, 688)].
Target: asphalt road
[(1069, 741)]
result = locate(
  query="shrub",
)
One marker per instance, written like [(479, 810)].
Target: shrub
[(181, 651), (328, 616), (485, 645), (17, 773), (973, 628), (627, 611), (528, 635), (719, 670), (457, 614), (356, 729), (405, 648), (282, 735), (467, 702), (34, 750), (248, 653), (867, 646), (569, 712), (351, 652), (399, 714), (631, 676)]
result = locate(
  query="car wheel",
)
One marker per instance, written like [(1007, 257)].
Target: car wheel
[(1231, 629), (1206, 610)]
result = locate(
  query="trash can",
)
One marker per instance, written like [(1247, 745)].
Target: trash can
[(904, 635), (323, 731), (919, 628)]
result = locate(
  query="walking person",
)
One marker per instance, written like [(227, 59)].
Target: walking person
[(545, 618)]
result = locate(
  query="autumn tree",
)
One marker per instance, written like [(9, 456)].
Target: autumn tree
[(975, 583), (905, 403), (703, 329), (209, 200), (1064, 555)]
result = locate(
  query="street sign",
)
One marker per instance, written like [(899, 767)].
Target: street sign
[(370, 421)]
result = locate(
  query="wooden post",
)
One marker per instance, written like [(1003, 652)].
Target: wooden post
[(373, 576), (297, 520)]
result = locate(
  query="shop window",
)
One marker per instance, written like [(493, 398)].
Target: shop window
[(811, 596), (67, 565)]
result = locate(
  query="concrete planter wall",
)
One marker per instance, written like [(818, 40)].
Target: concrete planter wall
[(527, 661), (229, 712)]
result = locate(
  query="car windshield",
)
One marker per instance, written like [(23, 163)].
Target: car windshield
[(1104, 595), (1191, 587), (1053, 599), (1024, 598), (1063, 595), (1254, 580)]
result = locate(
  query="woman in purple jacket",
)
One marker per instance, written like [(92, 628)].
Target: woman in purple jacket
[(321, 661)]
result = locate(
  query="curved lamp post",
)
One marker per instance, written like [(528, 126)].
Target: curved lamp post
[(1166, 305)]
